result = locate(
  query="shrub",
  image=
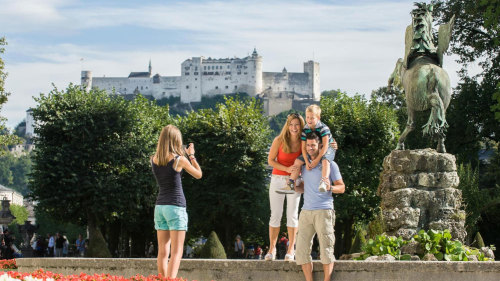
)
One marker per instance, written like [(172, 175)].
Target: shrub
[(478, 241), (439, 244), (359, 241), (213, 248), (383, 245)]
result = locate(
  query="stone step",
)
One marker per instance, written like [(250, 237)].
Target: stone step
[(239, 270)]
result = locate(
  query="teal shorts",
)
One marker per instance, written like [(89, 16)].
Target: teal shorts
[(169, 217)]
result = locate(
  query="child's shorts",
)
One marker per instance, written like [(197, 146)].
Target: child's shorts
[(169, 217), (329, 155)]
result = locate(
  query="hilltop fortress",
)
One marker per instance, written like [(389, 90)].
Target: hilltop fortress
[(279, 91)]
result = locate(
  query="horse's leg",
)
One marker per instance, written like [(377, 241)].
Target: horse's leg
[(437, 122), (410, 125), (440, 147)]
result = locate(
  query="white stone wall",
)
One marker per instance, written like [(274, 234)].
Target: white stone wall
[(208, 77), (30, 123), (13, 196)]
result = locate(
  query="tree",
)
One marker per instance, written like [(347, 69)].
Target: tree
[(14, 172), (5, 137), (366, 133), (231, 146), (213, 248), (475, 39), (19, 212), (91, 164), (476, 100)]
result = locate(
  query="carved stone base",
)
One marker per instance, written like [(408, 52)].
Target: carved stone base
[(419, 191)]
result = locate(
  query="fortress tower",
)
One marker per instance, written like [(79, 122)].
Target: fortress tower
[(312, 69), (86, 81)]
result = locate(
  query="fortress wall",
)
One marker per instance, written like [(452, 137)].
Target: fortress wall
[(279, 81)]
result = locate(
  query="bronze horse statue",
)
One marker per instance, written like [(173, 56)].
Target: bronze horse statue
[(426, 84)]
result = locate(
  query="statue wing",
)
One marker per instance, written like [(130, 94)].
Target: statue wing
[(444, 37), (408, 43)]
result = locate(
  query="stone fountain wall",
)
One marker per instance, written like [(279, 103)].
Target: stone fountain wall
[(419, 191)]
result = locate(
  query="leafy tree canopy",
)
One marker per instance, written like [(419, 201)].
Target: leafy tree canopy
[(92, 158), (5, 137), (231, 144), (366, 133)]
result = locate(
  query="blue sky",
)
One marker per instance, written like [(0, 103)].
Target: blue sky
[(356, 43)]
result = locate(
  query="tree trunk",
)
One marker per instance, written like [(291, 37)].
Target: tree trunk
[(114, 237), (138, 244), (97, 245), (343, 237), (347, 241)]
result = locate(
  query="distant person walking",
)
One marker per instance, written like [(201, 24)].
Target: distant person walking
[(80, 246), (51, 244), (170, 214), (239, 247), (59, 245)]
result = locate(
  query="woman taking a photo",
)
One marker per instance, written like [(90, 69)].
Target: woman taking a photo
[(170, 214)]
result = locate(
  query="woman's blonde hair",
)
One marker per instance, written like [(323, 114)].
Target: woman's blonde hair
[(285, 136), (169, 142)]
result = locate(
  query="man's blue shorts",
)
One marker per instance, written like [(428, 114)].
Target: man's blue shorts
[(169, 217)]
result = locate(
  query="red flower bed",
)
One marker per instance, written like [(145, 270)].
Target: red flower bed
[(44, 275), (8, 264)]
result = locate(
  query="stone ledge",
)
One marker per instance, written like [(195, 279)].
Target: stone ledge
[(239, 270)]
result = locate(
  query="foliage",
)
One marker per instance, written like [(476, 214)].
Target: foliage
[(5, 137), (475, 40), (376, 226), (41, 274), (439, 244), (478, 241), (434, 242), (231, 143), (213, 248), (207, 102), (366, 133), (48, 225), (359, 241), (19, 212), (473, 197), (92, 147), (383, 245), (14, 172), (20, 129), (331, 93)]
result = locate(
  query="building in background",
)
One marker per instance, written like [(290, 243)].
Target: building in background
[(280, 91)]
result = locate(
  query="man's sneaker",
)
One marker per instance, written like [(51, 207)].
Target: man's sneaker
[(270, 256), (288, 189), (290, 257), (323, 185)]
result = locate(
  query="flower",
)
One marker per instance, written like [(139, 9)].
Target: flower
[(42, 275)]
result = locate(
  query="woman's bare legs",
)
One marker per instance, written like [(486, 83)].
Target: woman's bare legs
[(163, 250)]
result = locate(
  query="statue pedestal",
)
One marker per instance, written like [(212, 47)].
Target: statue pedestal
[(419, 191)]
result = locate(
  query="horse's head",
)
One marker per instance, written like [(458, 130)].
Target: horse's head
[(395, 78)]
